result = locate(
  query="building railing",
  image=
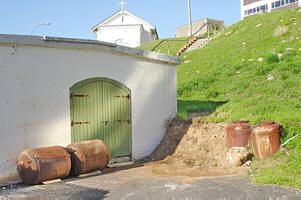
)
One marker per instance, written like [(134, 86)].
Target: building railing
[(187, 40), (167, 41)]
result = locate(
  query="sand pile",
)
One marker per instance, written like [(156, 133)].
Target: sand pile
[(197, 149)]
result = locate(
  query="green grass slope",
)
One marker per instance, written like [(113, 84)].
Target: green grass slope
[(173, 45), (230, 75)]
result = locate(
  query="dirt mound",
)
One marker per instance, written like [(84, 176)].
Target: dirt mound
[(174, 133), (193, 149)]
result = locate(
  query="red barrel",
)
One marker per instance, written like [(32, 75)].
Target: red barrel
[(266, 139), (43, 164), (238, 134), (88, 156)]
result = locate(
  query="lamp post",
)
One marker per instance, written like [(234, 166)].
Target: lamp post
[(44, 24), (189, 18)]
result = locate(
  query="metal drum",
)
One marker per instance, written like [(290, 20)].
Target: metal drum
[(266, 139), (88, 156), (238, 134), (44, 164)]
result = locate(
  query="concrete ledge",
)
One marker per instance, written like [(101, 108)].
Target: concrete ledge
[(121, 164), (69, 43)]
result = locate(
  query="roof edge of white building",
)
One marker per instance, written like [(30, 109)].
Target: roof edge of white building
[(71, 43)]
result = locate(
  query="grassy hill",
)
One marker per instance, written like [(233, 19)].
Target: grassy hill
[(171, 44), (229, 77)]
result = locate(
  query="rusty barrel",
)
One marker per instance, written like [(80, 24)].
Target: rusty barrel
[(88, 156), (238, 134), (266, 139), (43, 164)]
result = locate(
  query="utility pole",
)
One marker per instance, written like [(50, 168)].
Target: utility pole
[(207, 27), (189, 19)]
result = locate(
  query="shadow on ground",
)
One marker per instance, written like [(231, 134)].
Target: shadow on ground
[(52, 191), (174, 134), (193, 107)]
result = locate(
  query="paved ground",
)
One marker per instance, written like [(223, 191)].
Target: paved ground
[(140, 183)]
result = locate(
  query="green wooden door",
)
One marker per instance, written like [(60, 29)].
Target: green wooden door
[(100, 109)]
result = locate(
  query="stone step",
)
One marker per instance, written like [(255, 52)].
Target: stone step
[(198, 44), (193, 45)]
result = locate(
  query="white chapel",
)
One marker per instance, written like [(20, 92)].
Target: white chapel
[(125, 28)]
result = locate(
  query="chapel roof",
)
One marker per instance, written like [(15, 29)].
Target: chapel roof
[(116, 14)]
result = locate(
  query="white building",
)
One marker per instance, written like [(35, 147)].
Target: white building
[(253, 7), (55, 91), (199, 27), (125, 28)]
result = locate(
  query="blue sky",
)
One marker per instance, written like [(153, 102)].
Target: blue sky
[(75, 18)]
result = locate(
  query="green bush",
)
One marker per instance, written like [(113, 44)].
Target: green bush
[(284, 75), (212, 94), (272, 58), (264, 70), (289, 56), (291, 67)]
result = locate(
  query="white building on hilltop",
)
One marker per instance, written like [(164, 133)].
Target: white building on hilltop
[(253, 7), (124, 28)]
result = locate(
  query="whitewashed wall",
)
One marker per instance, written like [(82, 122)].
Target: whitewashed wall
[(122, 35), (127, 27), (35, 82)]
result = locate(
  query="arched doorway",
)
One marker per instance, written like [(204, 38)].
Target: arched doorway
[(101, 109)]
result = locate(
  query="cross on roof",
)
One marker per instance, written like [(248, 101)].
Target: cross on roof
[(122, 3)]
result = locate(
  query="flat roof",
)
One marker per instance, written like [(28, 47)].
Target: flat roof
[(71, 43), (202, 20)]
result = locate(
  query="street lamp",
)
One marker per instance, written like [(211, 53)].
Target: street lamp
[(189, 19), (44, 24)]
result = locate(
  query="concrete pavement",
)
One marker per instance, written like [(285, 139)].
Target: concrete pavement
[(140, 183)]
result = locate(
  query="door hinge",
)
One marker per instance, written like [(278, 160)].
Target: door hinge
[(80, 95), (123, 96), (79, 123), (105, 122), (120, 121)]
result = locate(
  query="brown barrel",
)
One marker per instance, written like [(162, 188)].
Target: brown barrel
[(266, 122), (266, 139), (43, 164), (238, 134), (88, 156)]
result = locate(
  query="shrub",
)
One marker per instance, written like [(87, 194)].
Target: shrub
[(288, 56), (284, 76), (212, 94), (272, 58), (292, 67), (264, 70)]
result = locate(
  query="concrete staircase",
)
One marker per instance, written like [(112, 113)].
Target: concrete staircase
[(198, 44), (195, 43)]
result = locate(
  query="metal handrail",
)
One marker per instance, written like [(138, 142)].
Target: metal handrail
[(166, 40), (187, 40), (158, 44)]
